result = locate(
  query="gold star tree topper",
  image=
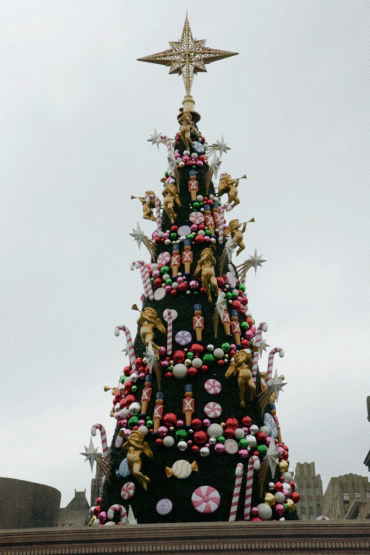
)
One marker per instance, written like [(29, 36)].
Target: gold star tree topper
[(187, 57)]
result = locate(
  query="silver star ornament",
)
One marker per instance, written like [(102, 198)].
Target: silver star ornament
[(272, 456), (155, 139), (277, 384), (256, 260), (263, 347), (215, 165), (221, 146), (138, 235), (91, 454)]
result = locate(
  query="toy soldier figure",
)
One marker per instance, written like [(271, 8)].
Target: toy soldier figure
[(188, 404), (193, 186), (235, 327), (175, 259), (187, 255), (198, 321), (208, 219)]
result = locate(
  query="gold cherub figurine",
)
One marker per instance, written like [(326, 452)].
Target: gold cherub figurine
[(171, 198), (242, 365), (135, 445), (236, 234), (230, 186), (186, 126), (147, 206), (206, 266), (149, 321)]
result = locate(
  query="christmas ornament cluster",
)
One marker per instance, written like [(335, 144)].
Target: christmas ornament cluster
[(197, 437)]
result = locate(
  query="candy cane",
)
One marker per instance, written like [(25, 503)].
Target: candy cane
[(103, 435), (221, 225), (271, 363), (169, 331), (238, 482), (117, 509), (262, 327), (168, 142), (249, 486), (130, 345), (148, 291), (158, 217)]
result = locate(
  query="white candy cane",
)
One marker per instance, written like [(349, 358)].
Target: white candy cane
[(169, 331), (145, 277), (130, 345), (262, 327), (249, 487), (158, 216), (103, 435), (238, 482), (221, 225), (271, 363), (117, 509), (168, 142)]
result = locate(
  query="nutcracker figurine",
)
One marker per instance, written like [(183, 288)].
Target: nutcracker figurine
[(187, 255), (198, 322), (235, 326), (225, 319), (188, 404), (193, 186), (208, 219), (175, 259), (146, 394), (158, 411)]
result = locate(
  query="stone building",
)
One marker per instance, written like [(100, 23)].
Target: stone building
[(310, 490), (347, 497), (76, 513)]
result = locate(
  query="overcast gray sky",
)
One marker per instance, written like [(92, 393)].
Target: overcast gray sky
[(76, 111)]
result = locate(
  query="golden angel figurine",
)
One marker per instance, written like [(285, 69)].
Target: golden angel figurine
[(206, 265), (148, 322), (236, 233), (147, 206), (230, 186), (171, 198), (242, 365), (186, 126), (135, 445)]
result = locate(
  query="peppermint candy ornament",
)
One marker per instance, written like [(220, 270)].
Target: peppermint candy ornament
[(231, 446), (164, 506), (164, 258), (196, 218), (159, 294), (198, 147), (213, 410), (183, 337), (206, 499), (213, 387), (128, 490)]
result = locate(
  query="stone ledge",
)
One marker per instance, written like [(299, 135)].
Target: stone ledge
[(325, 537)]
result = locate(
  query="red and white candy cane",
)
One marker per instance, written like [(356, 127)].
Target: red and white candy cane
[(168, 314), (238, 482), (117, 509), (130, 345), (148, 290), (271, 363), (221, 225), (158, 217), (168, 142), (103, 435), (249, 487), (262, 327)]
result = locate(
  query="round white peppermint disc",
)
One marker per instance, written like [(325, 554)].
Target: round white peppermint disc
[(205, 499), (213, 410), (159, 294), (164, 258), (196, 218), (183, 337), (128, 490), (213, 387), (231, 446)]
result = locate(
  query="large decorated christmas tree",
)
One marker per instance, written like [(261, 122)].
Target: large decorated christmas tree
[(197, 436)]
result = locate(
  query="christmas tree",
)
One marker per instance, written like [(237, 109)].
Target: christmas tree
[(197, 436)]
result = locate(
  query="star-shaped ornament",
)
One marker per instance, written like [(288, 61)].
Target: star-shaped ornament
[(155, 139), (91, 454), (220, 146), (187, 56), (138, 235), (126, 350), (256, 260), (150, 356), (277, 384), (215, 165), (272, 456), (263, 347)]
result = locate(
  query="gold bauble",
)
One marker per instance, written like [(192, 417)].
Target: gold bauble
[(270, 499), (291, 505), (283, 465)]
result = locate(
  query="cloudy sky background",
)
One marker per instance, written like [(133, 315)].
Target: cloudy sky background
[(76, 110)]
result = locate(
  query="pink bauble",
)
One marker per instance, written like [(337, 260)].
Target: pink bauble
[(286, 493), (280, 509), (219, 448), (168, 288), (162, 351), (206, 422), (156, 274), (193, 284), (194, 227), (243, 453), (199, 163), (162, 431), (180, 423), (254, 512)]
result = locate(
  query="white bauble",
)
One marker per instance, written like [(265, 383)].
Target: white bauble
[(239, 433), (166, 276), (254, 429), (280, 497), (124, 413), (214, 430), (257, 464), (265, 430), (197, 362), (199, 198), (287, 477), (144, 430), (265, 511), (110, 523), (182, 445), (168, 441), (251, 440), (218, 353), (194, 155), (180, 371), (287, 487), (204, 452), (96, 522), (134, 408)]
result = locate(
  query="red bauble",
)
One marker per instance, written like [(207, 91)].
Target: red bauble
[(245, 343), (233, 423), (261, 437), (200, 437), (174, 292), (202, 226), (195, 449), (192, 371), (204, 368), (199, 239), (139, 362), (246, 421), (292, 485), (203, 290), (196, 423), (249, 321), (98, 501), (122, 403), (286, 448), (196, 349), (157, 282), (236, 305), (228, 433), (220, 362), (278, 486), (174, 228), (255, 519), (285, 456), (244, 301), (232, 353), (159, 441), (182, 287), (168, 375), (220, 281), (157, 240), (170, 419), (129, 399), (127, 370), (189, 163), (179, 357), (97, 510), (294, 496)]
